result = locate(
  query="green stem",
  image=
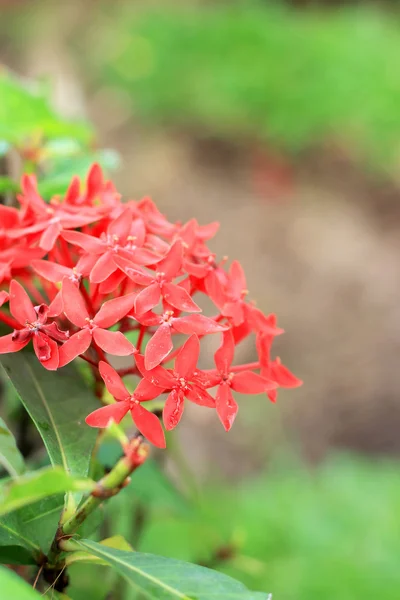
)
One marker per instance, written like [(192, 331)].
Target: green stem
[(108, 486)]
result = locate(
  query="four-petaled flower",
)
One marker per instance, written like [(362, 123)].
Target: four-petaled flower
[(110, 313), (34, 326), (146, 422)]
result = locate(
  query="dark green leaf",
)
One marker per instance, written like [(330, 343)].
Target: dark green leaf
[(58, 403), (32, 526), (12, 586), (159, 578), (10, 457), (33, 486), (15, 555)]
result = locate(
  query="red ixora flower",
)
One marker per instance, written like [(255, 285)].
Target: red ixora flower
[(244, 382), (34, 326), (182, 382), (146, 422), (113, 342), (81, 273)]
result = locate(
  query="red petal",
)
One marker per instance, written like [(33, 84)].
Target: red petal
[(198, 324), (113, 381), (235, 311), (248, 382), (102, 416), (138, 231), (237, 281), (8, 345), (74, 304), (56, 307), (226, 406), (145, 390), (113, 342), (50, 236), (283, 377), (110, 284), (133, 272), (186, 360), (179, 298), (172, 263), (225, 353), (173, 409), (76, 345), (94, 181), (148, 425), (46, 350), (158, 376), (158, 347), (90, 244), (50, 270), (272, 395), (215, 289), (21, 306), (147, 298), (103, 268), (73, 191), (121, 226), (200, 396), (114, 310), (4, 297)]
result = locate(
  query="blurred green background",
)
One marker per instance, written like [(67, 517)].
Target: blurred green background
[(281, 120)]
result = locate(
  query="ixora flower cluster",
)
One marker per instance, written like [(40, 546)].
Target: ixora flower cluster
[(81, 272)]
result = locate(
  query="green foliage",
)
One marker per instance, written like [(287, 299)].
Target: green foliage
[(10, 457), (329, 533), (55, 400), (42, 483), (12, 586), (259, 70), (53, 147), (162, 578)]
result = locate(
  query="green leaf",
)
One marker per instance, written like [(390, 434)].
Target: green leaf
[(8, 185), (13, 586), (10, 456), (160, 578), (33, 526), (15, 555), (58, 403), (33, 486), (25, 115)]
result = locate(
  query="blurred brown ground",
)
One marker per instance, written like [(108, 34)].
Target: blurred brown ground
[(320, 244)]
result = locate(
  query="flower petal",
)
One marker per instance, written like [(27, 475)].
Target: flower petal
[(198, 324), (172, 263), (200, 396), (178, 298), (103, 268), (102, 416), (226, 406), (121, 226), (7, 344), (147, 299), (225, 353), (46, 350), (283, 377), (113, 381), (51, 270), (76, 345), (21, 306), (148, 425), (50, 236), (158, 347), (248, 382), (74, 304), (186, 360), (173, 409), (114, 310), (237, 279), (113, 342), (89, 243), (145, 390), (158, 376), (133, 271)]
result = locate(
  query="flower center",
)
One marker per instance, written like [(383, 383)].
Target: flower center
[(90, 324), (168, 317)]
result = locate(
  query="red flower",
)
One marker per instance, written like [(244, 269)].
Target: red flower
[(34, 326), (147, 423), (182, 382), (160, 344), (113, 342), (159, 285), (244, 382), (274, 369), (117, 241)]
